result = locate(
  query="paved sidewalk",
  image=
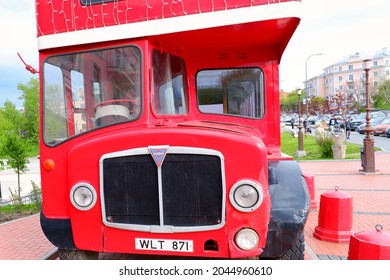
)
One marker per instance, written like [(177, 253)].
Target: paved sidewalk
[(24, 239), (370, 197)]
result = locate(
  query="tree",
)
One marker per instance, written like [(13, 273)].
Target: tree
[(30, 95), (342, 104), (16, 149), (381, 99), (315, 105), (23, 121), (10, 119), (289, 103)]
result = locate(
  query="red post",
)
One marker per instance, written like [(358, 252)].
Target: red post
[(310, 185), (335, 217), (370, 245)]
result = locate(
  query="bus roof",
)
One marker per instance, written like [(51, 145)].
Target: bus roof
[(68, 23)]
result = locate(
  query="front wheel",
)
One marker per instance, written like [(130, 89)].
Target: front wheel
[(297, 250), (65, 254)]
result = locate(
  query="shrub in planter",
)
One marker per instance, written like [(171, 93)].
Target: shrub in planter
[(325, 143)]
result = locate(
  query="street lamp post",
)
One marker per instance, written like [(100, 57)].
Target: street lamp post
[(368, 157), (306, 86), (300, 152)]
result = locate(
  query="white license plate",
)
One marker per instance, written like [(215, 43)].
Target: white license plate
[(164, 245)]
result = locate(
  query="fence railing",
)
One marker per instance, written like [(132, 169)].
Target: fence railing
[(27, 199)]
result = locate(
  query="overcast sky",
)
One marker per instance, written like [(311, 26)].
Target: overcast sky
[(336, 28), (18, 35)]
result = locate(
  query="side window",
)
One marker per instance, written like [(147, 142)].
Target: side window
[(170, 94), (238, 92)]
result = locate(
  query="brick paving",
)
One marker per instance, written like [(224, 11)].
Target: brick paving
[(24, 239), (370, 199)]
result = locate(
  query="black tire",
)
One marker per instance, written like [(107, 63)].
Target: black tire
[(297, 251), (65, 254)]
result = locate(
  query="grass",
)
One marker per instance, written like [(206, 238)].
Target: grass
[(16, 208), (290, 146), (34, 207), (12, 212)]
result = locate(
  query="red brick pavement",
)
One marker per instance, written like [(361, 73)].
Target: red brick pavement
[(23, 239), (370, 198)]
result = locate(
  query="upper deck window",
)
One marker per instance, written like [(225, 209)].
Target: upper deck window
[(84, 91), (237, 92), (91, 2), (170, 93)]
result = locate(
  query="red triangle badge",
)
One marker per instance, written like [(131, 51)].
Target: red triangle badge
[(158, 154)]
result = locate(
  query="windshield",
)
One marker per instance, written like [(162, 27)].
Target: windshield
[(386, 121), (85, 91)]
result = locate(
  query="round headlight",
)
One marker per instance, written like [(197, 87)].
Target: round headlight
[(246, 239), (246, 196), (83, 196)]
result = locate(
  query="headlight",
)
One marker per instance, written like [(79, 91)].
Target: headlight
[(83, 196), (246, 196), (246, 239)]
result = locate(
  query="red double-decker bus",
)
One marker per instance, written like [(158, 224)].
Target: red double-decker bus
[(160, 129)]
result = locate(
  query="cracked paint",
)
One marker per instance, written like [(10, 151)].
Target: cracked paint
[(55, 16)]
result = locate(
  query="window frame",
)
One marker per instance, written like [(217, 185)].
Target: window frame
[(175, 86), (71, 132)]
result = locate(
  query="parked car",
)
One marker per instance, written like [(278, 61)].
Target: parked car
[(362, 118), (313, 119), (387, 133), (360, 128), (353, 116), (380, 129), (373, 122), (358, 121), (287, 120)]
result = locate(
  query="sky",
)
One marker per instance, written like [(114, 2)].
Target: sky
[(336, 28), (18, 35)]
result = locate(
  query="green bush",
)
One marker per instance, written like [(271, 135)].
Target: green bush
[(325, 146)]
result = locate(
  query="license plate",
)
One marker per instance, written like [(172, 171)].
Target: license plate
[(170, 245)]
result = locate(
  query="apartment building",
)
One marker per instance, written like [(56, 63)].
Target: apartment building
[(348, 77)]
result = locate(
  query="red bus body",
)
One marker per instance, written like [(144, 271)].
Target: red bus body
[(160, 129)]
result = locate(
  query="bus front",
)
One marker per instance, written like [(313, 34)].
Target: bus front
[(163, 144)]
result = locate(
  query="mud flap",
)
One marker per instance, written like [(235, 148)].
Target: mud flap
[(290, 200), (58, 232)]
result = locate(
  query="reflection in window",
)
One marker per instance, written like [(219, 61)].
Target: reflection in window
[(55, 127), (84, 91), (170, 95), (238, 92), (78, 99)]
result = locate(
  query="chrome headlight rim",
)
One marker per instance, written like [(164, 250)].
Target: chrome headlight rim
[(83, 186), (233, 192)]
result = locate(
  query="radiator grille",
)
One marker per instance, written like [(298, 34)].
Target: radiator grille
[(190, 195)]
